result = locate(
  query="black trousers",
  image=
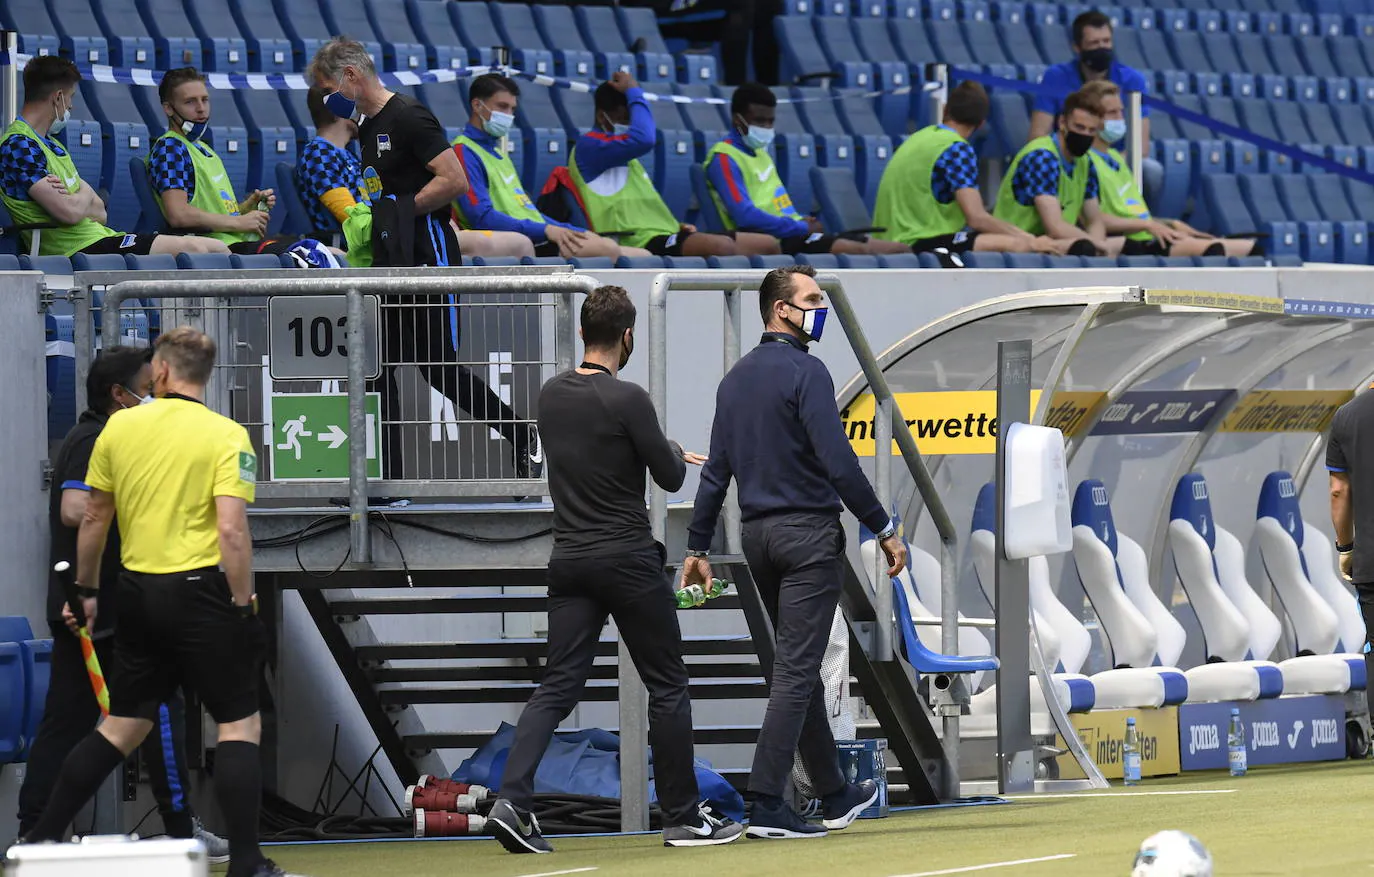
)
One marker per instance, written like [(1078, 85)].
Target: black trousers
[(69, 714), (797, 563), (635, 591), (1366, 594), (736, 24)]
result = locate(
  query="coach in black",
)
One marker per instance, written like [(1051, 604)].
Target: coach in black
[(1350, 462), (777, 432), (411, 176), (601, 433)]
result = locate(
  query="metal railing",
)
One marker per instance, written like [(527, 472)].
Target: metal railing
[(889, 425), (414, 316)]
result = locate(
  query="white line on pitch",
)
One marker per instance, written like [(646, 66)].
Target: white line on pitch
[(991, 865), (1099, 796), (556, 873)]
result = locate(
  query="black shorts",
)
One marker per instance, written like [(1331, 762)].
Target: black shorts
[(808, 243), (182, 629), (546, 250), (267, 246), (959, 242), (671, 244), (1151, 247), (118, 245)]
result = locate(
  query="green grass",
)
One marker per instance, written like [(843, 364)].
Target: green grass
[(1289, 820)]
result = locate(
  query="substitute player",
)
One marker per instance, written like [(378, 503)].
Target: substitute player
[(602, 434), (181, 478)]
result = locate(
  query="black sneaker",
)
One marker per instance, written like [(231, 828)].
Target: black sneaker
[(529, 463), (269, 868), (710, 830), (779, 821), (843, 807), (516, 829)]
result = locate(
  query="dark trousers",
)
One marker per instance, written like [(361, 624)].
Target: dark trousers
[(634, 590), (1366, 595), (734, 23), (424, 331), (69, 714), (797, 563)]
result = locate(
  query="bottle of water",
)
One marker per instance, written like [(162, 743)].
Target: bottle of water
[(716, 588), (1235, 745), (690, 596), (1130, 754)]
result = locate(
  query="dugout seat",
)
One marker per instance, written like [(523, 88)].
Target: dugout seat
[(1280, 534), (14, 696)]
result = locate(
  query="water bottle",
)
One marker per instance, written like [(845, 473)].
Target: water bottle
[(1235, 745), (716, 588), (690, 596), (1130, 754)]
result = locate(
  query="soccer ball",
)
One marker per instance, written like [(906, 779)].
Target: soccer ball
[(1172, 854)]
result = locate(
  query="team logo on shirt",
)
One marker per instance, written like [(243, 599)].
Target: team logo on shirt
[(383, 142), (372, 182), (248, 467)]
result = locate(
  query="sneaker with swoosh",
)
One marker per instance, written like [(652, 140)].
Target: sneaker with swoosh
[(516, 829), (709, 830)]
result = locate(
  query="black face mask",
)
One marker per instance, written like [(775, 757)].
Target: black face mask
[(626, 348), (1096, 60), (1077, 145)]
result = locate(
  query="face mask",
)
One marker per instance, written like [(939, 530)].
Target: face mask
[(758, 138), (1077, 145), (626, 348), (194, 130), (620, 130), (343, 107), (813, 321), (1113, 130), (499, 124), (1097, 60), (60, 122)]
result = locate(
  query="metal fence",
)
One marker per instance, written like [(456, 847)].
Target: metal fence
[(451, 362)]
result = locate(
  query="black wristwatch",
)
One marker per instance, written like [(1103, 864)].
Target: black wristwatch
[(86, 593), (246, 612), (693, 553), (1349, 546)]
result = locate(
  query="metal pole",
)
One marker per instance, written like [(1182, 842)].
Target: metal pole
[(734, 540), (939, 74), (1136, 159), (882, 484), (565, 332), (1015, 749), (360, 535), (82, 331), (9, 79)]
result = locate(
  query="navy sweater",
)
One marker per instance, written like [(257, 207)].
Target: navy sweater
[(777, 431)]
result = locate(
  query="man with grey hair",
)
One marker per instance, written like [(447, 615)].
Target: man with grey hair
[(406, 158)]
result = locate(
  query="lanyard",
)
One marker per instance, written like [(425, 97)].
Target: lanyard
[(595, 366)]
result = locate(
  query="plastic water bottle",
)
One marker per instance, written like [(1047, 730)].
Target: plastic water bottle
[(690, 596), (1235, 745), (1130, 754), (716, 588)]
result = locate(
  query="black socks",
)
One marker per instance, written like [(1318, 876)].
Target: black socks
[(82, 773), (238, 785)]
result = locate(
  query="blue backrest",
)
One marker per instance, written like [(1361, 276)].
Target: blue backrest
[(985, 509), (1278, 499), (1092, 508), (37, 658), (15, 629), (13, 700), (1192, 504)]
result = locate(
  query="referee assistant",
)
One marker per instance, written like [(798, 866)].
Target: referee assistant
[(180, 477), (778, 433), (407, 158), (1350, 462), (602, 433)]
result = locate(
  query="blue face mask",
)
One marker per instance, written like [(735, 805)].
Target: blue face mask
[(758, 138), (1113, 130), (499, 124), (813, 321), (194, 130), (340, 106)]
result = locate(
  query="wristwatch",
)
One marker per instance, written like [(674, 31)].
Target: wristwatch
[(249, 610), (694, 553), (1350, 546), (86, 593), (888, 532)]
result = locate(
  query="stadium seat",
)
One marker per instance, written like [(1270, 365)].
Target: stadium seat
[(1027, 261), (60, 266), (640, 262), (121, 18), (36, 655), (495, 261), (558, 26), (125, 136), (819, 261), (14, 698), (592, 263), (638, 23), (516, 24), (1280, 533), (304, 25), (36, 32), (106, 262), (604, 36), (771, 262), (79, 31), (239, 149), (835, 149), (172, 25), (269, 47), (858, 262), (1064, 262), (837, 41), (151, 263), (205, 261), (407, 47), (805, 63), (685, 263), (842, 208), (732, 263), (259, 261), (469, 36), (872, 146), (904, 261), (984, 260), (1140, 261), (350, 17), (708, 215)]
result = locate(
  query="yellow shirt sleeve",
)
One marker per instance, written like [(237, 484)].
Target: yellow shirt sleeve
[(337, 201), (236, 473), (98, 473)]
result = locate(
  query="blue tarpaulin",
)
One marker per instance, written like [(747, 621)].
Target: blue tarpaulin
[(586, 763)]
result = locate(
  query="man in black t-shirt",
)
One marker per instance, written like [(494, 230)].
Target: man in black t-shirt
[(602, 434), (120, 377), (1350, 462), (405, 156)]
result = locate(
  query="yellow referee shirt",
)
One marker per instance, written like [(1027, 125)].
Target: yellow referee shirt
[(165, 463)]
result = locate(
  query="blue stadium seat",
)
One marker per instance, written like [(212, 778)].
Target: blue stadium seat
[(1099, 262), (1333, 221), (37, 36), (268, 45), (674, 152), (84, 139), (1064, 262), (56, 265), (706, 121), (1238, 84), (148, 217), (1140, 262), (638, 23), (1321, 122), (837, 40), (495, 261), (685, 263), (859, 262), (1237, 21), (842, 208), (641, 262), (9, 262), (37, 657), (125, 137), (273, 127), (1019, 50), (1284, 260), (15, 629), (1009, 122), (1027, 261), (151, 263), (449, 104), (350, 17), (872, 147), (559, 27), (229, 138), (464, 33), (1216, 48), (127, 32), (732, 263), (925, 260), (297, 219), (708, 216), (804, 62), (260, 261), (1211, 262), (205, 261), (546, 141), (106, 262), (900, 260), (1050, 32), (516, 25), (819, 261), (79, 31), (577, 110), (817, 108), (174, 33), (14, 699), (984, 260), (592, 263), (771, 262), (1226, 210), (1299, 24), (1177, 159), (408, 47), (1286, 236), (1255, 56), (794, 153), (304, 25), (909, 37), (603, 35)]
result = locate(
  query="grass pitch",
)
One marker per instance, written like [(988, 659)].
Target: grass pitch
[(1282, 820)]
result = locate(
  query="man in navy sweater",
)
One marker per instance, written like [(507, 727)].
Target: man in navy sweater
[(777, 432)]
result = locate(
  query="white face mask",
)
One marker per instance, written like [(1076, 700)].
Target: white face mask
[(60, 122)]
